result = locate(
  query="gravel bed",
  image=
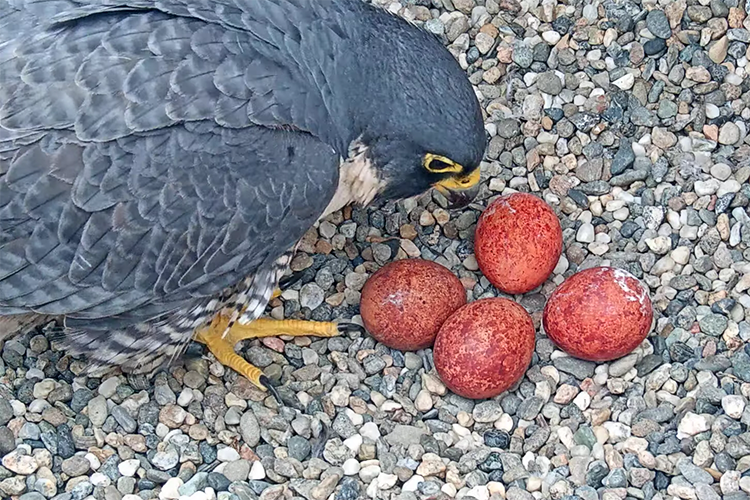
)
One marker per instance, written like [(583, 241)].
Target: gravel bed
[(631, 120)]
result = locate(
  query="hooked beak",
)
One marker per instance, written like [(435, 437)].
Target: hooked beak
[(460, 190)]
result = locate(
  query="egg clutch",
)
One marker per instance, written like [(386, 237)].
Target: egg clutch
[(484, 347)]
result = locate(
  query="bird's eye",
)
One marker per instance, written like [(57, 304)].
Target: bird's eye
[(441, 165)]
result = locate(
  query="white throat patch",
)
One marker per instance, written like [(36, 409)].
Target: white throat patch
[(358, 180)]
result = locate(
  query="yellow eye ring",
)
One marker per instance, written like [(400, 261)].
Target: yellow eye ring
[(437, 164)]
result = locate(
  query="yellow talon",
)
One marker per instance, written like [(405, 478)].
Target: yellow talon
[(222, 346)]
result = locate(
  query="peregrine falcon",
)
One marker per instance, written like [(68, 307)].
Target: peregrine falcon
[(161, 159)]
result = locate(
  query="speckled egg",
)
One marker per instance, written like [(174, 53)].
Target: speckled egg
[(518, 242), (406, 301), (484, 348), (598, 314)]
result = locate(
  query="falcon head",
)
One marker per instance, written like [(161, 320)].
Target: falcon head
[(417, 122)]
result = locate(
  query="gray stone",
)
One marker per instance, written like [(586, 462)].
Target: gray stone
[(549, 83), (404, 435), (741, 365), (299, 448), (249, 429), (167, 459), (713, 324), (693, 473), (237, 470), (530, 408), (98, 412), (658, 24), (124, 419), (311, 296), (6, 411), (623, 159), (578, 368)]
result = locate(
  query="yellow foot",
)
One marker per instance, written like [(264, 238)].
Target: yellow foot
[(222, 346)]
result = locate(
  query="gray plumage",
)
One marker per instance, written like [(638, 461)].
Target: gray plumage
[(159, 157)]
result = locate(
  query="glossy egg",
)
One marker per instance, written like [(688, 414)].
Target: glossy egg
[(518, 242), (405, 302), (598, 314), (484, 348)]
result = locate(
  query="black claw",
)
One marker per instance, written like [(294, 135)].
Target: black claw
[(267, 384), (350, 327), (290, 280)]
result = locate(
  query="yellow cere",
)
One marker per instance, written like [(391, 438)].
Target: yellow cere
[(459, 183)]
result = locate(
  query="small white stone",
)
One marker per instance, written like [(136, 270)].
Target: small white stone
[(351, 467), (551, 37), (370, 431), (369, 472), (128, 468), (625, 82), (354, 442), (692, 424), (504, 423), (185, 397), (733, 405), (728, 186), (598, 248), (681, 255), (340, 395), (566, 437), (449, 490), (413, 483), (706, 188), (621, 214), (618, 432), (562, 265), (387, 481), (712, 111), (257, 471), (585, 233), (93, 461), (99, 479), (372, 489), (227, 454), (582, 400), (423, 401), (171, 489), (480, 492), (659, 245), (745, 484), (355, 417)]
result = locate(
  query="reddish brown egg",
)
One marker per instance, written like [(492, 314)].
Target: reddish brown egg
[(598, 314), (484, 348), (518, 242), (404, 303)]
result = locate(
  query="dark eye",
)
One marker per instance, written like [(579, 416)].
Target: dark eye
[(441, 165)]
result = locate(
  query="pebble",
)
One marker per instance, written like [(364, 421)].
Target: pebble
[(733, 405)]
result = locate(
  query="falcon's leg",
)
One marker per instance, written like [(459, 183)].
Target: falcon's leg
[(221, 342)]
